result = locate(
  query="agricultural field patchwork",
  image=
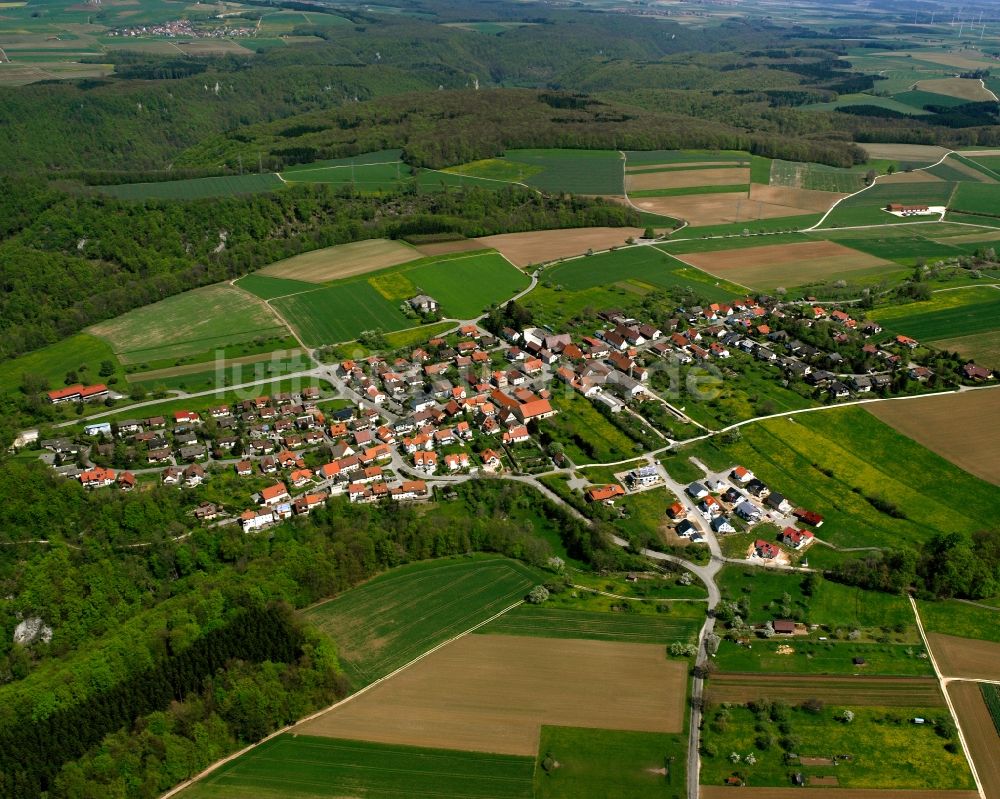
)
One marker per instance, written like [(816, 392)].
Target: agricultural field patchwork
[(844, 463), (311, 767), (767, 267), (492, 693), (464, 284), (963, 428), (392, 619), (977, 198), (189, 323)]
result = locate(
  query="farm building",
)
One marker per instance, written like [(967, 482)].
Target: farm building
[(423, 303), (899, 208)]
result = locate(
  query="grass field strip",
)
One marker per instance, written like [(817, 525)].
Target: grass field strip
[(178, 788), (943, 681)]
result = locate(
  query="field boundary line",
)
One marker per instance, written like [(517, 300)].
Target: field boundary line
[(870, 185), (701, 269), (219, 763), (277, 315), (943, 682)]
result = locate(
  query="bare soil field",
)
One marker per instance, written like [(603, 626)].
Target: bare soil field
[(966, 657), (980, 734), (541, 246), (344, 260), (677, 166), (918, 176), (964, 428), (448, 247), (715, 209), (846, 689), (492, 693), (963, 59), (964, 88), (803, 199), (905, 152), (725, 792), (784, 264), (687, 178)]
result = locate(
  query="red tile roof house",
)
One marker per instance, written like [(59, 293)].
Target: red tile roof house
[(605, 494), (676, 511), (765, 549), (798, 539), (126, 481), (491, 461), (97, 477), (78, 393), (809, 517), (273, 495)]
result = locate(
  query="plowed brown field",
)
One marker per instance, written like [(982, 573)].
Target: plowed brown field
[(847, 690), (541, 246), (784, 264), (492, 693), (980, 734), (715, 209), (966, 657), (684, 179), (964, 428), (803, 199)]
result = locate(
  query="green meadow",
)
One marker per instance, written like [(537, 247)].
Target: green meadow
[(388, 621)]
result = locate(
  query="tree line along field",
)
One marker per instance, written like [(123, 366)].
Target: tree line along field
[(294, 765), (464, 284), (390, 620), (189, 323), (195, 188), (836, 461)]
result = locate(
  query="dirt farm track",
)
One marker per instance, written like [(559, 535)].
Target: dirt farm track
[(724, 792), (492, 693), (980, 734)]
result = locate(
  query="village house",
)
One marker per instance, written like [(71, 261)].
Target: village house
[(765, 550), (274, 494), (78, 393), (606, 494), (98, 477), (797, 539)]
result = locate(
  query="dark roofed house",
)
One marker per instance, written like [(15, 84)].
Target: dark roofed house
[(784, 627)]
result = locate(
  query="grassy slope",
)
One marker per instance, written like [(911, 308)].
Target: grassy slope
[(388, 621), (54, 361), (952, 617)]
